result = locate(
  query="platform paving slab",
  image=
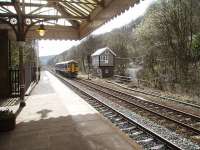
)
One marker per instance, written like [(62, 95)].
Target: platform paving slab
[(56, 118)]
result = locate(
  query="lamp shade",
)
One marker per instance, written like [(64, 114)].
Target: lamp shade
[(41, 30)]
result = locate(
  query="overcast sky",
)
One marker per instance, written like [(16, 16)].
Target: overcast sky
[(54, 47)]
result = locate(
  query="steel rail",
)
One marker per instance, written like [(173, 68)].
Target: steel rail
[(154, 94), (173, 109), (151, 111), (162, 139)]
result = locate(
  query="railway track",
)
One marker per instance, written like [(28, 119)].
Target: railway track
[(157, 94), (184, 123), (147, 138)]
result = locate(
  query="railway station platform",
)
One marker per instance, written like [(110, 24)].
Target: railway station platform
[(56, 118)]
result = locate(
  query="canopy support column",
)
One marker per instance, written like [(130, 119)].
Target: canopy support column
[(21, 39), (21, 74)]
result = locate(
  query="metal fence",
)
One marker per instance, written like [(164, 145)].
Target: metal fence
[(29, 77), (14, 81)]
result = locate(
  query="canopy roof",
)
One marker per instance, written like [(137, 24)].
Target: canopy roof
[(63, 19)]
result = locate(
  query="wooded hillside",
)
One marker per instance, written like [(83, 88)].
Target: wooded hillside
[(167, 37)]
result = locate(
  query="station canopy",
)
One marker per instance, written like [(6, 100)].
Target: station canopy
[(62, 19)]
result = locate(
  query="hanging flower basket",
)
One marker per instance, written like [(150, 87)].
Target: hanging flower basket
[(7, 120)]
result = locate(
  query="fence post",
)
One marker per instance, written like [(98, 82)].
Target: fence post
[(138, 83)]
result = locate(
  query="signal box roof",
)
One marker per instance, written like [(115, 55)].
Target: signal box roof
[(102, 50)]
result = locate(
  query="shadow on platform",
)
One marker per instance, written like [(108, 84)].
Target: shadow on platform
[(82, 132), (52, 134)]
